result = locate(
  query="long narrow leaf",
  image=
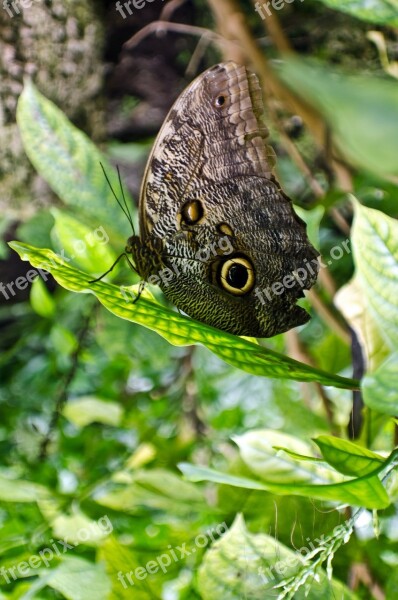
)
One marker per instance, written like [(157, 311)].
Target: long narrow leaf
[(177, 329)]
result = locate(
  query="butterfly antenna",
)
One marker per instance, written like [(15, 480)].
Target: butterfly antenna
[(124, 200), (124, 208)]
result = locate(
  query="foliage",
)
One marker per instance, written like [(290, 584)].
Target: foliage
[(173, 474)]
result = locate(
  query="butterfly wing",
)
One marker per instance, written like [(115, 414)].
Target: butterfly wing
[(198, 136), (214, 215)]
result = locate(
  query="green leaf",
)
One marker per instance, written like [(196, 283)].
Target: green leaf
[(305, 477), (18, 490), (245, 565), (347, 457), (88, 409), (79, 579), (281, 474), (157, 489), (177, 329), (62, 340), (41, 300), (164, 482), (122, 565), (297, 455), (79, 529), (361, 111), (374, 310), (313, 219), (70, 163), (352, 303), (383, 12), (86, 247), (375, 250), (257, 449), (380, 388), (367, 492), (196, 474)]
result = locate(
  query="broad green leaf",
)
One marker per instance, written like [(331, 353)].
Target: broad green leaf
[(86, 247), (313, 220), (63, 341), (88, 409), (312, 479), (50, 507), (37, 229), (245, 565), (347, 457), (79, 529), (361, 111), (257, 449), (164, 482), (19, 490), (156, 489), (367, 491), (70, 163), (279, 473), (352, 303), (375, 250), (79, 579), (177, 329), (143, 455), (380, 388), (41, 300), (122, 565), (194, 473), (383, 12)]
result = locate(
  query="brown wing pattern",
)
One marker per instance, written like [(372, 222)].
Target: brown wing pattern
[(230, 112), (213, 130)]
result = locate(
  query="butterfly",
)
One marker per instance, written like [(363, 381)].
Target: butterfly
[(217, 233)]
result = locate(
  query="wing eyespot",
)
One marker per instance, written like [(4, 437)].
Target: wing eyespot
[(225, 229), (236, 275), (220, 101), (192, 212)]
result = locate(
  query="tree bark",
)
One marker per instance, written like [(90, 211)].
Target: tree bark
[(59, 45)]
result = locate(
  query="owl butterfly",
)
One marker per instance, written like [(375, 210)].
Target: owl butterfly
[(217, 233)]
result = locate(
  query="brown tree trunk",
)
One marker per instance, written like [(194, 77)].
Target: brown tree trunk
[(59, 45)]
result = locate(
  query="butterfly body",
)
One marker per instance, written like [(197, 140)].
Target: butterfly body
[(215, 228)]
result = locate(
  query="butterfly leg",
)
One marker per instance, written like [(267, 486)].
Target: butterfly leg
[(140, 290)]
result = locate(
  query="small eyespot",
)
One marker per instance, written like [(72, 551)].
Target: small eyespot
[(192, 212), (225, 229), (236, 275), (220, 101)]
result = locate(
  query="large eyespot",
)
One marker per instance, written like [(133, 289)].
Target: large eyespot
[(236, 275), (192, 212)]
